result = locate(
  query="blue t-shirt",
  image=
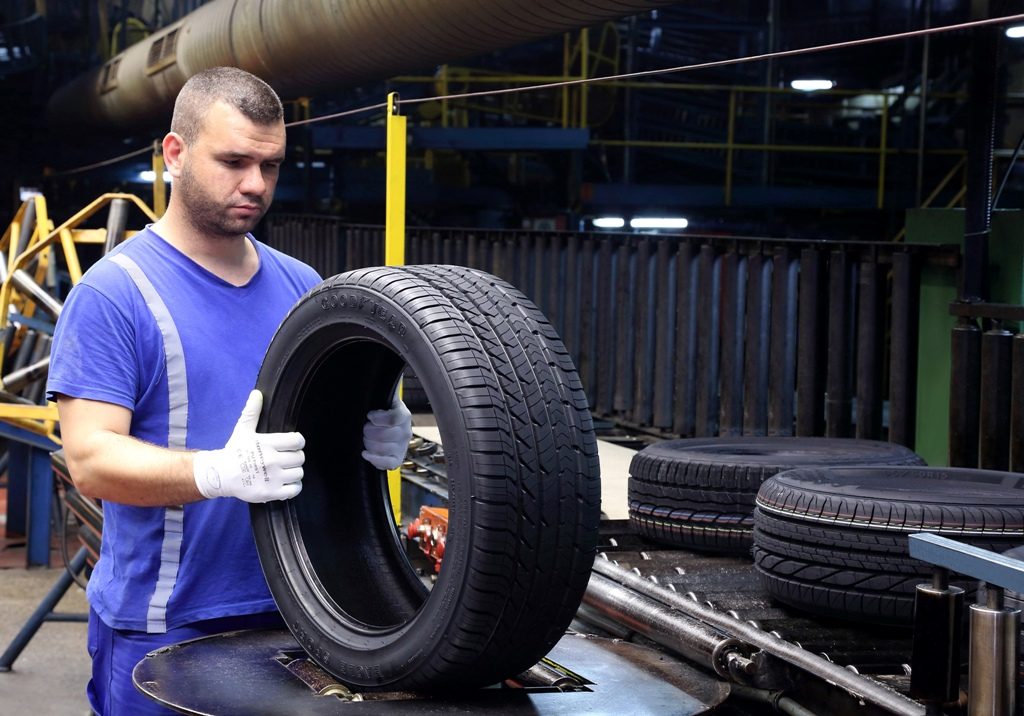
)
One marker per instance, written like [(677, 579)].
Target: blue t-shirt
[(149, 329)]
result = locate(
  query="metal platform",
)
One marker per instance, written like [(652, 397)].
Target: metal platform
[(255, 673)]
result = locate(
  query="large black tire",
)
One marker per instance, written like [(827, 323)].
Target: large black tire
[(699, 493), (833, 541), (522, 466)]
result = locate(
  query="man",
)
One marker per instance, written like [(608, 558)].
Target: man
[(153, 362)]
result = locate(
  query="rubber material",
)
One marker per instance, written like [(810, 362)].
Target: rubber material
[(522, 465), (700, 493), (833, 541)]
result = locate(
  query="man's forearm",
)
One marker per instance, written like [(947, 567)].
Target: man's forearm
[(123, 469)]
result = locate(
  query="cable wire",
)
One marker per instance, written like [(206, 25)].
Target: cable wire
[(105, 162), (346, 113), (1009, 171), (734, 61)]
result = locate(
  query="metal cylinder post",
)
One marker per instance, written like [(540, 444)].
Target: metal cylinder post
[(964, 394), (935, 665), (994, 407), (993, 657)]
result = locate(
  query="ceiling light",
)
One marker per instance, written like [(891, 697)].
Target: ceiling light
[(1015, 32), (812, 84), (148, 175), (658, 222), (609, 222)]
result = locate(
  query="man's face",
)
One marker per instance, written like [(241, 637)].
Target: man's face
[(229, 172)]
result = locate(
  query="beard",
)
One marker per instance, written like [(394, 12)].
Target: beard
[(209, 216)]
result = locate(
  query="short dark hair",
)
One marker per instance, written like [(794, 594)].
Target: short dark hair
[(246, 92)]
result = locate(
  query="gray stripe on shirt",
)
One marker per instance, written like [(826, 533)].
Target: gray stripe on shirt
[(177, 431)]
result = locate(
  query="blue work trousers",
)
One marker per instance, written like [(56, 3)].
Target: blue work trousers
[(115, 652)]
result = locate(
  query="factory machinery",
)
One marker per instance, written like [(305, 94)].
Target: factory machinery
[(711, 611)]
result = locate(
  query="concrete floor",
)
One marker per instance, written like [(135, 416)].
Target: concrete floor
[(49, 677)]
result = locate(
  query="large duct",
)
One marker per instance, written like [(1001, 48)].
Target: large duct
[(306, 47)]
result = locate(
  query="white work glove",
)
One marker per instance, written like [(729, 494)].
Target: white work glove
[(386, 436), (255, 467)]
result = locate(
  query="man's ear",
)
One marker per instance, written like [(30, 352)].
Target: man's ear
[(174, 149)]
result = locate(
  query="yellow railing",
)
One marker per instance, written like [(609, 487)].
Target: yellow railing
[(572, 111), (581, 58), (25, 271)]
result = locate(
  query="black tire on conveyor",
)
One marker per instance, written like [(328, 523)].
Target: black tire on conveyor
[(833, 541), (522, 467), (699, 493)]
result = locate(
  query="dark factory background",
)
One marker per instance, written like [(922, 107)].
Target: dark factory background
[(712, 146)]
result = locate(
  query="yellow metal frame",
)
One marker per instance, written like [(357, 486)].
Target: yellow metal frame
[(42, 419), (578, 62)]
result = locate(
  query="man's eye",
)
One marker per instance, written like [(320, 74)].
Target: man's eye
[(230, 162)]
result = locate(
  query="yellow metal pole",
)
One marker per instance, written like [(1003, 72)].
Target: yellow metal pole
[(883, 142), (394, 235), (67, 242), (731, 136), (394, 227), (159, 186)]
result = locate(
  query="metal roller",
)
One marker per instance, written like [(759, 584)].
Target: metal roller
[(117, 222), (18, 379), (27, 285), (670, 628)]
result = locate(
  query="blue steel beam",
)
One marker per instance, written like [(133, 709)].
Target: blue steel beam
[(471, 138), (966, 559)]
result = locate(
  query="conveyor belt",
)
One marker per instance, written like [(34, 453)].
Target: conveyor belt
[(731, 584)]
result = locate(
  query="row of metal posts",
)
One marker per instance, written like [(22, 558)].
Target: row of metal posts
[(694, 335)]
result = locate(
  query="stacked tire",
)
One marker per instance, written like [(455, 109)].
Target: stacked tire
[(833, 540), (700, 493)]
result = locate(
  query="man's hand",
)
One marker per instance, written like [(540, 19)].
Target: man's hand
[(255, 467), (386, 436)]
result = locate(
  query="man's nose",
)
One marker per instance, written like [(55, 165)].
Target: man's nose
[(253, 182)]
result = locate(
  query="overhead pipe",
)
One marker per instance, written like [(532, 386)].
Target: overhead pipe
[(326, 45)]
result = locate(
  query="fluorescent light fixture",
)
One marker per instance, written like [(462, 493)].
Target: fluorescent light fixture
[(812, 84), (609, 222), (148, 175), (1015, 32), (658, 222)]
